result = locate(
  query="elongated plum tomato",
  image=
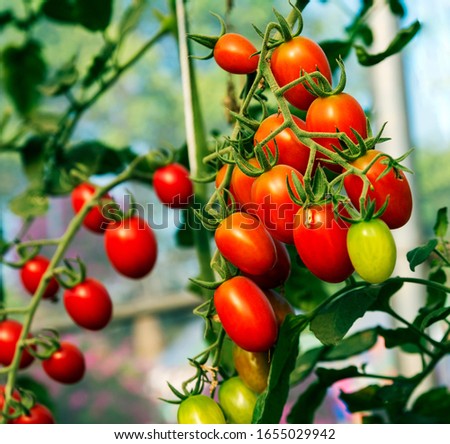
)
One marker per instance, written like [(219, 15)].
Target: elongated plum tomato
[(95, 220), (281, 306), (337, 113), (173, 185), (273, 204), (66, 365), (10, 331), (237, 401), (89, 304), (372, 250), (131, 247), (252, 367), (394, 185), (236, 54), (321, 242), (280, 272), (290, 150), (31, 275), (244, 241), (242, 186), (38, 414), (200, 409), (291, 58), (246, 314)]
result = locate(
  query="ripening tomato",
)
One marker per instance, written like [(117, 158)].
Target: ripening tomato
[(290, 150), (242, 186), (244, 241), (95, 220), (173, 185), (321, 242), (10, 331), (31, 275), (236, 54), (273, 204), (394, 185), (246, 314), (290, 59), (38, 414), (237, 401), (200, 409), (252, 367), (280, 272), (131, 247), (281, 306), (337, 113), (372, 250), (89, 304), (65, 365)]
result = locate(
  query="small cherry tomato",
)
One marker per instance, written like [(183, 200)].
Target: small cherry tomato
[(173, 185), (200, 409), (10, 331), (31, 274), (65, 365), (38, 414)]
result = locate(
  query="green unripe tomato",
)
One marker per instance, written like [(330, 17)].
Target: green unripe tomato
[(200, 409)]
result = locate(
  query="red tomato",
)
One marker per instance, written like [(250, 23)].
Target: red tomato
[(273, 204), (242, 186), (244, 241), (15, 395), (246, 314), (393, 185), (337, 113), (65, 365), (279, 274), (38, 414), (290, 150), (89, 304), (321, 242), (131, 247), (94, 221), (173, 186), (234, 53), (281, 306), (290, 59), (31, 274), (10, 331)]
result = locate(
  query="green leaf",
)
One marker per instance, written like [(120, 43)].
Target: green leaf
[(99, 64), (131, 17), (333, 321), (6, 17), (305, 364), (62, 79), (32, 156), (420, 254), (329, 376), (307, 403), (435, 297), (365, 399), (435, 316), (270, 404), (400, 337), (372, 419), (355, 344), (403, 37), (334, 49), (24, 70), (387, 290), (397, 7), (433, 407), (441, 225), (31, 203)]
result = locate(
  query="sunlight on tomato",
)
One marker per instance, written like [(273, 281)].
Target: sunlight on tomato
[(200, 409)]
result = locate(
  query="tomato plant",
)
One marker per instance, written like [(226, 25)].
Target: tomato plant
[(236, 54), (10, 331), (372, 250), (31, 275), (131, 247), (173, 186), (200, 409), (38, 414), (65, 365), (246, 314), (252, 367)]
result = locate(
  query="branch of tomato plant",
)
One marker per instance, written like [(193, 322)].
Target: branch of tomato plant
[(58, 255)]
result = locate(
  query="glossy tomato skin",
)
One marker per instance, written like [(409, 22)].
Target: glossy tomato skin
[(252, 367), (94, 221), (281, 306), (38, 414), (234, 53), (394, 184), (321, 242), (200, 409), (237, 401), (244, 241), (292, 57), (372, 250), (89, 304), (131, 247), (10, 331), (242, 186), (31, 274), (340, 112), (273, 204), (290, 150), (246, 314), (280, 272), (173, 185), (66, 365)]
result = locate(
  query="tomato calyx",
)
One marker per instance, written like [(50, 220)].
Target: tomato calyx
[(207, 40), (43, 344)]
